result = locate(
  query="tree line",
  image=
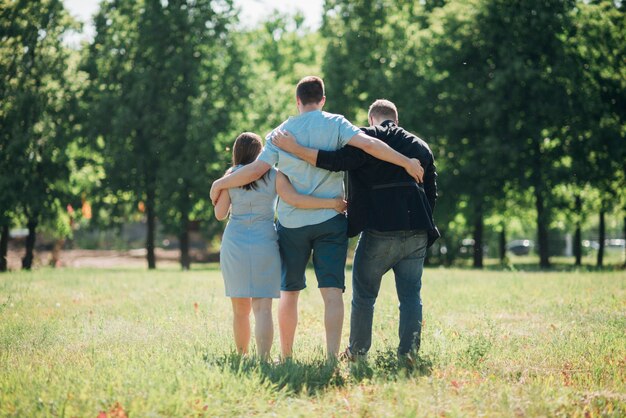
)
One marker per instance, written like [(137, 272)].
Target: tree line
[(522, 102)]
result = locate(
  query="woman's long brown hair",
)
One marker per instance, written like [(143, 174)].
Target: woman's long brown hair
[(247, 147)]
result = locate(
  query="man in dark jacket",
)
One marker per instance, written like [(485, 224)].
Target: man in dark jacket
[(393, 213)]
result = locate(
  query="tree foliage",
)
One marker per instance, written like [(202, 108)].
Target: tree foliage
[(37, 112), (513, 97), (165, 85), (523, 104)]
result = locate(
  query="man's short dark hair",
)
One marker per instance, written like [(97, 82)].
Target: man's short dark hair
[(383, 109), (310, 90)]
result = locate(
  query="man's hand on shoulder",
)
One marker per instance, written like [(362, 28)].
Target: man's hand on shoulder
[(285, 141)]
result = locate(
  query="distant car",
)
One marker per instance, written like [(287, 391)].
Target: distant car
[(615, 243), (520, 246), (18, 233), (594, 245), (467, 247)]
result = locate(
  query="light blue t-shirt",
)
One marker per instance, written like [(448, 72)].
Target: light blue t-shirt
[(314, 129)]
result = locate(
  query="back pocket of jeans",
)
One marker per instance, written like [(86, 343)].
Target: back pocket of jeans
[(376, 246)]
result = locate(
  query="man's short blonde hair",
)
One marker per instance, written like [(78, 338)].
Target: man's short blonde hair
[(383, 109)]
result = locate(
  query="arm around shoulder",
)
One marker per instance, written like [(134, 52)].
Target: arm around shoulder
[(245, 175), (377, 148)]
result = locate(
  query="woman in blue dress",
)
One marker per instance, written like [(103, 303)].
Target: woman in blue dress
[(249, 256)]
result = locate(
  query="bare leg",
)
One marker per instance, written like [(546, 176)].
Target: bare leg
[(333, 319), (241, 323), (287, 321), (263, 326)]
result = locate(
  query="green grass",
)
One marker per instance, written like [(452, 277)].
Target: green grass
[(77, 342)]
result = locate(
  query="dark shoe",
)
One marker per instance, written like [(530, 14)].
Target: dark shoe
[(346, 355), (406, 361), (413, 362)]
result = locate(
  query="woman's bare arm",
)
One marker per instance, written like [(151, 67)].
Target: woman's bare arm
[(288, 193), (222, 206)]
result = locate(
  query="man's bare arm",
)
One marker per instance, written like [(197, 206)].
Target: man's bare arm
[(377, 148), (241, 177)]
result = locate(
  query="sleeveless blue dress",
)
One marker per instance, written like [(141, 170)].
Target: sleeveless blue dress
[(249, 255)]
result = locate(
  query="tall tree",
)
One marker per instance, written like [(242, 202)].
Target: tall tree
[(356, 56), (429, 59), (596, 142), (36, 115), (166, 83), (207, 91), (125, 106), (531, 63), (478, 161)]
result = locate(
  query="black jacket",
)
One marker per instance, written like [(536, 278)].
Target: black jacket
[(382, 196)]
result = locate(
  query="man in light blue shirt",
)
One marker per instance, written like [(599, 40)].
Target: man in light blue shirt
[(318, 231), (326, 130)]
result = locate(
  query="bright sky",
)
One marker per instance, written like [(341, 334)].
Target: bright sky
[(252, 11)]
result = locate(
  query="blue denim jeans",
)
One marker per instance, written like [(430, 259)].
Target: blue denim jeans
[(376, 254)]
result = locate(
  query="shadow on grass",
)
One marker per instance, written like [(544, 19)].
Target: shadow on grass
[(316, 375), (292, 375)]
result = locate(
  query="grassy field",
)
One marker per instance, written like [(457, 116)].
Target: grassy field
[(142, 344)]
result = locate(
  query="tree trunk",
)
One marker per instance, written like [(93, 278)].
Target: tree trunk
[(578, 253), (185, 260), (538, 183), (151, 220), (542, 230), (4, 247), (478, 239), (502, 244), (27, 261), (601, 238), (578, 249)]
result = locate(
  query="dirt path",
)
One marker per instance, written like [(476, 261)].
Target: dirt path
[(96, 258)]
